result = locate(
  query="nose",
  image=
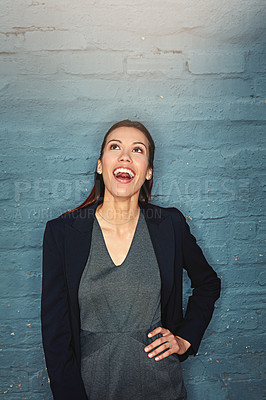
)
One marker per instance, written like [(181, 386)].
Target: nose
[(125, 156)]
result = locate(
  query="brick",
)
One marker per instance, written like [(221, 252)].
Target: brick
[(244, 230), (25, 359), (54, 40), (36, 89), (16, 308), (113, 38), (6, 191), (169, 65), (206, 190), (24, 332), (214, 231), (37, 214), (233, 322), (207, 134), (30, 281), (3, 84), (141, 18), (262, 278), (256, 61), (71, 113), (27, 260), (260, 87), (40, 385), (181, 41), (245, 158), (218, 367), (14, 380), (11, 238), (228, 344), (240, 275), (27, 16), (208, 87), (195, 189), (122, 40), (193, 370), (26, 65), (91, 62), (241, 253), (247, 111), (209, 389), (216, 63), (251, 303), (216, 255), (190, 160), (11, 168), (97, 89), (10, 43), (252, 389), (36, 189)]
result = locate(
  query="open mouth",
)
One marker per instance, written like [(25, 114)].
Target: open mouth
[(123, 175)]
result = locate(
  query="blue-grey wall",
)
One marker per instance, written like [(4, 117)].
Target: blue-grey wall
[(194, 73)]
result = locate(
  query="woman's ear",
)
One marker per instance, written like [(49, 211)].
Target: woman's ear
[(99, 166), (149, 174)]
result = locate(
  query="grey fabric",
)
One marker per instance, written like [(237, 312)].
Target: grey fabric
[(119, 305)]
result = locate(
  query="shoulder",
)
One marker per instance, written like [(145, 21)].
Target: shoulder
[(166, 211), (62, 219), (58, 224)]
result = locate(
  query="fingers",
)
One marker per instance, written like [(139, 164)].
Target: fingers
[(163, 342), (164, 346), (157, 330), (156, 343), (163, 355)]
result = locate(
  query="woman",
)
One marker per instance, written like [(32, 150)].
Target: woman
[(112, 321)]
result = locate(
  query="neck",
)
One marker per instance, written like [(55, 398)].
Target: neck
[(119, 211)]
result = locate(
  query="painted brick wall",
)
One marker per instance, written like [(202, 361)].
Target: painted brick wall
[(194, 73)]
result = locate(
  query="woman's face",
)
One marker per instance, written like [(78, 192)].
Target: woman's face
[(125, 147)]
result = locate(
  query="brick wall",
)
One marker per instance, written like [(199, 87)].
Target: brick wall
[(194, 74)]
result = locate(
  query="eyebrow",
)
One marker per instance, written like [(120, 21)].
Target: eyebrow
[(117, 140)]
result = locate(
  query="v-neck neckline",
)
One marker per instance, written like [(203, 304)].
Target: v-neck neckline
[(131, 244)]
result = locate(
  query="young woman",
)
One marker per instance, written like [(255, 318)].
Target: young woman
[(111, 311)]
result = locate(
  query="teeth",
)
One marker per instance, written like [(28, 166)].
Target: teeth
[(124, 170)]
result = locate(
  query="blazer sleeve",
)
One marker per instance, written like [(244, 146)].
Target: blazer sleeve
[(206, 290), (65, 378)]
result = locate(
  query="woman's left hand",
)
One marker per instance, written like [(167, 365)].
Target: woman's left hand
[(169, 342)]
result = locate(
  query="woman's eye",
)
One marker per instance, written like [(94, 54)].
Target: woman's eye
[(138, 148), (114, 144)]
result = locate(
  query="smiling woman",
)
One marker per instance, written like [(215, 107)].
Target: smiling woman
[(112, 320)]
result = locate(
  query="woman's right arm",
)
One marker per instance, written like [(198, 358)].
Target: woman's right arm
[(65, 378)]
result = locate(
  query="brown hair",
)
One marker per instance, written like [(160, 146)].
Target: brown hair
[(97, 192)]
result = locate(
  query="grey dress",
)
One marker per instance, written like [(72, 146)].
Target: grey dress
[(119, 305)]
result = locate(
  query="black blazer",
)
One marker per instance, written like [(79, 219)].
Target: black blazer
[(66, 246)]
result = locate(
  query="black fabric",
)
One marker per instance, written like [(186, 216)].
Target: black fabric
[(66, 246)]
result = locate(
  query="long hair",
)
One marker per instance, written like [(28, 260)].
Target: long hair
[(97, 192)]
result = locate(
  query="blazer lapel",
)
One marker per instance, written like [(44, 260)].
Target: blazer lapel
[(78, 242), (77, 249), (162, 236)]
